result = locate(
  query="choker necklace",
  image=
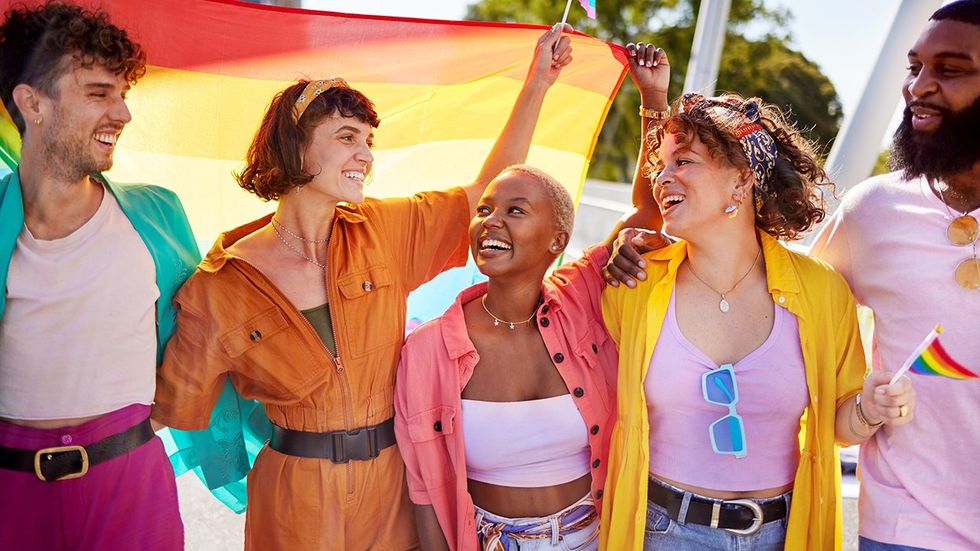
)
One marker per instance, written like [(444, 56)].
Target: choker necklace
[(279, 225), (724, 305), (297, 251), (497, 321)]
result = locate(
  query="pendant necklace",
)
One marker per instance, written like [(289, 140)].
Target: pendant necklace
[(497, 321), (724, 305)]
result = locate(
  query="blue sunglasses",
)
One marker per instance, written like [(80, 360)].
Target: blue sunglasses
[(728, 433)]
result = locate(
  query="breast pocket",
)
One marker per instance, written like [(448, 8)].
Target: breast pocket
[(268, 352), (430, 432), (373, 311)]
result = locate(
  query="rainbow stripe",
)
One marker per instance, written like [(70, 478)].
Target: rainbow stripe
[(934, 360), (589, 6), (443, 90)]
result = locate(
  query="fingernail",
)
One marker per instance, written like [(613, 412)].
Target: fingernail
[(655, 63), (642, 264), (630, 283)]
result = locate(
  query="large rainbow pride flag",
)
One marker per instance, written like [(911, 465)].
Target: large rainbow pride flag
[(443, 91)]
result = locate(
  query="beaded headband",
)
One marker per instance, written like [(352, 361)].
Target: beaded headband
[(312, 90), (741, 117)]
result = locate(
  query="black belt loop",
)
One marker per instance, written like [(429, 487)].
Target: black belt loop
[(360, 444)]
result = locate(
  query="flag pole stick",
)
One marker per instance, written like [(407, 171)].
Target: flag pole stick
[(917, 352), (564, 16)]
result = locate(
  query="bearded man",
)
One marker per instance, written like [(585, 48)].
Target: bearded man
[(907, 244)]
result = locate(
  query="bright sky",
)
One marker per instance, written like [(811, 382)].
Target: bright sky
[(841, 36)]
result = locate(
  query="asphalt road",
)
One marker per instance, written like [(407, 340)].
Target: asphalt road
[(210, 526)]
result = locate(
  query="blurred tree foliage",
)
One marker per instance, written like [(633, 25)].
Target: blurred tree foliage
[(765, 66), (881, 164)]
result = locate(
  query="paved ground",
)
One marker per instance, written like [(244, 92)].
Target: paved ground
[(210, 526)]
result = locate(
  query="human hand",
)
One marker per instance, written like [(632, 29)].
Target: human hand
[(650, 72), (894, 404), (552, 52), (626, 262)]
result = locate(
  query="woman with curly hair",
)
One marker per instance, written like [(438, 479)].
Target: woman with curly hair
[(740, 361)]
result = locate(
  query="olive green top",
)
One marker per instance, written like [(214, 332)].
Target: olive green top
[(319, 318)]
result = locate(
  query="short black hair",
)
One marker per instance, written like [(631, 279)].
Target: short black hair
[(34, 41), (964, 11)]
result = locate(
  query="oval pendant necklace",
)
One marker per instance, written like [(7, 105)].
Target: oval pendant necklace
[(723, 304)]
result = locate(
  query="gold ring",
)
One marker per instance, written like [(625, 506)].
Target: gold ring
[(903, 411)]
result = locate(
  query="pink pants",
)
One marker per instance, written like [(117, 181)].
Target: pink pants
[(128, 502)]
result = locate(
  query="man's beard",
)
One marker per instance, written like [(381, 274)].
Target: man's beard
[(952, 148), (68, 152)]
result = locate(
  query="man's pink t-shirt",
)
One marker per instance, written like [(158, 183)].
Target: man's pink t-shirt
[(919, 482)]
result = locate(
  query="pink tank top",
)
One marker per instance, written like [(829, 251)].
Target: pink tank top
[(772, 397), (529, 444)]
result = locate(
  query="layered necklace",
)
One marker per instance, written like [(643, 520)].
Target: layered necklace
[(962, 232), (724, 305), (279, 228)]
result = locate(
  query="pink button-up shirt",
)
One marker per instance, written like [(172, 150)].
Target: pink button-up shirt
[(437, 362)]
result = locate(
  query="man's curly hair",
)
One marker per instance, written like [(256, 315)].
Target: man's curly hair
[(35, 41)]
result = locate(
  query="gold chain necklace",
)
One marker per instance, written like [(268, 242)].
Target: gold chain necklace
[(724, 305), (497, 321)]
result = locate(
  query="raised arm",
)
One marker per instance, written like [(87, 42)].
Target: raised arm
[(514, 141)]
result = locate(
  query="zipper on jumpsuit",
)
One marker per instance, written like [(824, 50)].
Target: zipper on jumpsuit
[(338, 366)]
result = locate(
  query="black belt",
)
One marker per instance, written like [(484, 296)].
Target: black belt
[(66, 462), (340, 447), (741, 516)]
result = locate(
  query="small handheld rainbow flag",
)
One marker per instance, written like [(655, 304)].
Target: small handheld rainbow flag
[(930, 358), (589, 6)]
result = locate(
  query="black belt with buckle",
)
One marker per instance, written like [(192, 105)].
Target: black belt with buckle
[(340, 447), (67, 462), (740, 516)]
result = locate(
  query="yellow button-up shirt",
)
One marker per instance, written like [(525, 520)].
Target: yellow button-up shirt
[(834, 363)]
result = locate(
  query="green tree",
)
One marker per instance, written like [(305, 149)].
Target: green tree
[(765, 67)]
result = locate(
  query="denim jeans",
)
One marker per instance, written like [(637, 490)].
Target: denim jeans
[(666, 534), (865, 544), (551, 532)]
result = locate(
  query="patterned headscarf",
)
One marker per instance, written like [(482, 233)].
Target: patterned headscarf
[(741, 118), (311, 91)]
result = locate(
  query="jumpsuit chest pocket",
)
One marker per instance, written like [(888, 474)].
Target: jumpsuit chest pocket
[(372, 311), (252, 334)]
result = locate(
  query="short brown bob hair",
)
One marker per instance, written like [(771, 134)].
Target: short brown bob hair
[(273, 165)]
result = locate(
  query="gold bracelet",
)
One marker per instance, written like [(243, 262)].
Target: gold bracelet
[(654, 114), (860, 413)]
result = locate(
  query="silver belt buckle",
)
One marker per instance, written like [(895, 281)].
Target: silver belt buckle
[(756, 512)]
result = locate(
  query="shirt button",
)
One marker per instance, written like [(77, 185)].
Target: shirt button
[(594, 429), (255, 335), (595, 349), (367, 286), (544, 309), (598, 494), (559, 357), (578, 392), (65, 439), (782, 300), (544, 322), (437, 426), (596, 463)]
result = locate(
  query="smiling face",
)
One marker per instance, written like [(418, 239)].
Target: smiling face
[(339, 158), (692, 188), (83, 120), (515, 231), (944, 73)]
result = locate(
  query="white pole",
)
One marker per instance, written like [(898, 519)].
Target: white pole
[(564, 16), (859, 142), (709, 37), (917, 352)]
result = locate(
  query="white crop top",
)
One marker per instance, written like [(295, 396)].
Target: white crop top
[(531, 444)]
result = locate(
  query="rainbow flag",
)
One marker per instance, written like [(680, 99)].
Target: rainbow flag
[(589, 6), (934, 360), (442, 89)]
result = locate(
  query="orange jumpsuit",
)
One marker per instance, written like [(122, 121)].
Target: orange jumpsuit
[(232, 321)]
